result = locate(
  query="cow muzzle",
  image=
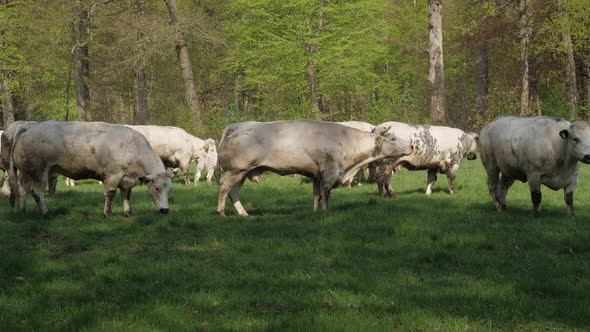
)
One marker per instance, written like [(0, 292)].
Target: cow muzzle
[(586, 159)]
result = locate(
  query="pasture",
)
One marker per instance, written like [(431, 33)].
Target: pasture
[(415, 263)]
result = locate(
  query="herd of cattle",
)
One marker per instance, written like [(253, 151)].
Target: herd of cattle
[(539, 150)]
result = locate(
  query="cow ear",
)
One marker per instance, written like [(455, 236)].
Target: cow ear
[(564, 134), (379, 142)]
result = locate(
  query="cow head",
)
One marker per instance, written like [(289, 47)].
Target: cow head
[(392, 146), (470, 145), (159, 185), (578, 135)]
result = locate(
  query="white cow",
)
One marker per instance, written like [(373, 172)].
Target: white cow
[(174, 145), (327, 152), (207, 162), (436, 149), (539, 150), (5, 188), (120, 157)]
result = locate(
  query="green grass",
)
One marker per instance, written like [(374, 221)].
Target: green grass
[(410, 263)]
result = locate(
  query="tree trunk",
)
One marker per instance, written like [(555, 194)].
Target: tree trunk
[(81, 33), (436, 73), (7, 103), (570, 63), (482, 78), (141, 114), (186, 68), (524, 58), (310, 49)]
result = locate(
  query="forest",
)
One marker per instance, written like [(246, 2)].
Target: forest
[(202, 64)]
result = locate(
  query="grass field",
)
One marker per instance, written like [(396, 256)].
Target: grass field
[(414, 263)]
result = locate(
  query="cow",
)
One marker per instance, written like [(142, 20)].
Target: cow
[(364, 126), (207, 162), (540, 150), (6, 140), (174, 146), (119, 156), (5, 191), (437, 149), (328, 153)]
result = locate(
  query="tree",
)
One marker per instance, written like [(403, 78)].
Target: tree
[(524, 33), (81, 58), (570, 63), (141, 115), (436, 73), (186, 67), (481, 64), (310, 49)]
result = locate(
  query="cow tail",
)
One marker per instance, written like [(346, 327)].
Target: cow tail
[(12, 171)]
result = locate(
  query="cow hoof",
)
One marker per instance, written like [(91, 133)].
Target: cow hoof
[(47, 216), (107, 215), (127, 214), (535, 214), (221, 213)]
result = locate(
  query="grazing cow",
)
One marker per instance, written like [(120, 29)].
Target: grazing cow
[(120, 157), (364, 126), (539, 150), (207, 162), (327, 152), (436, 149), (174, 146)]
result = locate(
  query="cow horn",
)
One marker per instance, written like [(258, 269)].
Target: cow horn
[(384, 130)]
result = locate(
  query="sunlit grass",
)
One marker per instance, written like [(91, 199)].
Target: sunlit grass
[(409, 263)]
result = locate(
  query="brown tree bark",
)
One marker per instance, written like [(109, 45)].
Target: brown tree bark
[(481, 65), (81, 36), (141, 115), (436, 73), (310, 49), (7, 103), (186, 68), (570, 63), (524, 32)]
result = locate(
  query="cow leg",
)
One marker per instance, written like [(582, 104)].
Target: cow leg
[(325, 193), (39, 196), (383, 179), (536, 197), (185, 172), (109, 195), (493, 175), (359, 176), (502, 190), (52, 184), (226, 184), (316, 194), (6, 185), (198, 174), (234, 195), (210, 172), (568, 196), (431, 181), (126, 194)]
